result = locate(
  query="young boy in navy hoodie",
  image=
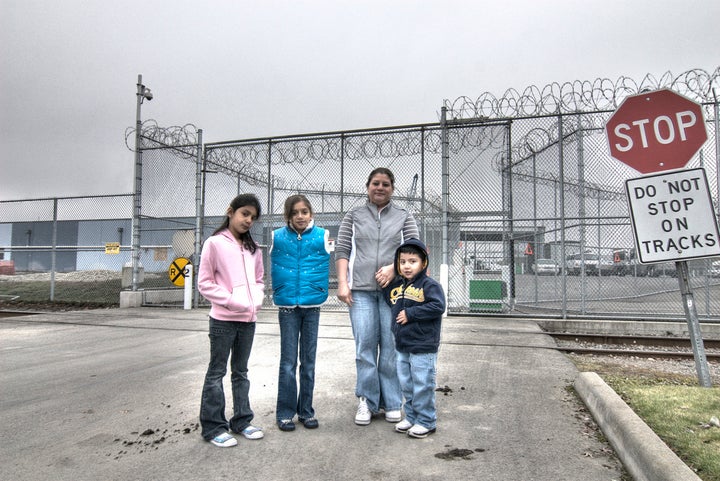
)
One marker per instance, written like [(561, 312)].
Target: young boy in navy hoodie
[(418, 303)]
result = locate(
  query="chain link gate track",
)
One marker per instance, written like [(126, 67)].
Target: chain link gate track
[(522, 177)]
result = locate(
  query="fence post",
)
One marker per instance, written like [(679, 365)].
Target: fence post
[(53, 261), (199, 209), (445, 182), (561, 167)]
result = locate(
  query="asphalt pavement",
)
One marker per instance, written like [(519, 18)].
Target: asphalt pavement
[(114, 395)]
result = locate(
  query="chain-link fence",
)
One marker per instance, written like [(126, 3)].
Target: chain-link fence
[(69, 249), (516, 195)]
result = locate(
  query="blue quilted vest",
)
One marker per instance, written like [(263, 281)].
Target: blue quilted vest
[(300, 267)]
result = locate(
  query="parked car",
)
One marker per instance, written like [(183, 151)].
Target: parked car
[(630, 267), (574, 264), (662, 269), (714, 269), (607, 268), (486, 267), (546, 266)]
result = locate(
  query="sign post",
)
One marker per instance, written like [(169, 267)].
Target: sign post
[(671, 214)]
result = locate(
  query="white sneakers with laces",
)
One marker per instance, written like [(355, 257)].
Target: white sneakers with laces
[(363, 414)]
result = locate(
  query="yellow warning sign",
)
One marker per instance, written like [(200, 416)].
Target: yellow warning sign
[(178, 270), (112, 248)]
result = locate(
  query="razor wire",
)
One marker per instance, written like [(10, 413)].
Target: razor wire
[(183, 139), (582, 96)]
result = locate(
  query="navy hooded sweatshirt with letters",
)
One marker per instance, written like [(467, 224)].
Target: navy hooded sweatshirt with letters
[(423, 300)]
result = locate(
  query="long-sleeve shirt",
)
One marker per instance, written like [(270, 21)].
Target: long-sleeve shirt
[(231, 278), (368, 237)]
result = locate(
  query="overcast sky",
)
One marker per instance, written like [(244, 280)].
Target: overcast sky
[(244, 69)]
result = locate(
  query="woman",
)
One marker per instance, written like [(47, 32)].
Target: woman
[(364, 253)]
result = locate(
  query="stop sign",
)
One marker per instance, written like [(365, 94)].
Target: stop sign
[(656, 131)]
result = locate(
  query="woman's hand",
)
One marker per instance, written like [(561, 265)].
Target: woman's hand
[(344, 293)]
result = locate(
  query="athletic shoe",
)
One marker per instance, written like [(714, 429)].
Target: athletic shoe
[(418, 431), (403, 426), (393, 416), (363, 415), (224, 440), (286, 425), (310, 423), (252, 433)]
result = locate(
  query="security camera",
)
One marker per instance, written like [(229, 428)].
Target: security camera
[(148, 94)]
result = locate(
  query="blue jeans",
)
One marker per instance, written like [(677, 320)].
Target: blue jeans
[(377, 378), (225, 338), (298, 333), (417, 378)]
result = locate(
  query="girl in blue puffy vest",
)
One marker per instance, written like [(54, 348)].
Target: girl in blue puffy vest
[(300, 263)]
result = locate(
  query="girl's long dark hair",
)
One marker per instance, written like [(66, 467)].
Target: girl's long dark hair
[(241, 201)]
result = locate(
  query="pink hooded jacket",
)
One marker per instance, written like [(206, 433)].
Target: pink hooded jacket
[(231, 278)]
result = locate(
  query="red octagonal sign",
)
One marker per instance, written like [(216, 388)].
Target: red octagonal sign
[(656, 131)]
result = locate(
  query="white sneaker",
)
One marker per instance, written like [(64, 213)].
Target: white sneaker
[(418, 431), (363, 415), (403, 426), (252, 433), (224, 440), (393, 416)]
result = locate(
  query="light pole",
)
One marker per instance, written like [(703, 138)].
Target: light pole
[(142, 94)]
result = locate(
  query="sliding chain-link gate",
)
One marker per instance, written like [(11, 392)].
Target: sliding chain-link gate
[(517, 195)]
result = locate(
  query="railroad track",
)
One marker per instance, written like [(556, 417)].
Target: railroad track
[(638, 346)]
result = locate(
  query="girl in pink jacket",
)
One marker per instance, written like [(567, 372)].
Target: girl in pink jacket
[(231, 278)]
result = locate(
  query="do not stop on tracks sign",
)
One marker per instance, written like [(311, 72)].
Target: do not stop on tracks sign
[(672, 216)]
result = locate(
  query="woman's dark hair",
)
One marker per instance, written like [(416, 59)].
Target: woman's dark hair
[(381, 170), (241, 201), (291, 201)]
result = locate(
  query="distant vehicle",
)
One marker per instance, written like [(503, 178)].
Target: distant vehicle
[(486, 267), (714, 269), (626, 263), (546, 266), (662, 269), (607, 267), (574, 264)]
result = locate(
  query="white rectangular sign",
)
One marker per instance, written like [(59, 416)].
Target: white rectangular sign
[(672, 216)]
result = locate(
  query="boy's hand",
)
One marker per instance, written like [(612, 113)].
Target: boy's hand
[(401, 318), (384, 275)]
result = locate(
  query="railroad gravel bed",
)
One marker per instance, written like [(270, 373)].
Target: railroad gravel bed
[(564, 343), (619, 364)]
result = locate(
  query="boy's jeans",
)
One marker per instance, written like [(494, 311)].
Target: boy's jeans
[(298, 332), (377, 378), (227, 337), (417, 378)]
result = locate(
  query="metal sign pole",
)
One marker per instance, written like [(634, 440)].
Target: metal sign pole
[(701, 365)]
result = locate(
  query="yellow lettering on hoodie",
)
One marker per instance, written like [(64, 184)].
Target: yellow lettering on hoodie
[(412, 293)]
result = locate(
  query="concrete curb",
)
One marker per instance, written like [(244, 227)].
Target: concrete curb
[(642, 452)]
